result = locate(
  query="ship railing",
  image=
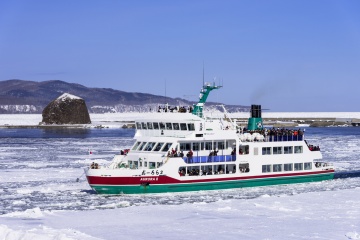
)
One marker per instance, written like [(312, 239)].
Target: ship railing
[(209, 159), (284, 138)]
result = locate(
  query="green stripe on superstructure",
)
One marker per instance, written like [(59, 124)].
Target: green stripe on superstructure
[(183, 187)]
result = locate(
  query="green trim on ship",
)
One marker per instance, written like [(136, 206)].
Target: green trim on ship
[(185, 187)]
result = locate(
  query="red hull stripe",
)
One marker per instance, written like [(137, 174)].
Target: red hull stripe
[(95, 180)]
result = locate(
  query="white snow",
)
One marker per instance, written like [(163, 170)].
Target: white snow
[(65, 96)]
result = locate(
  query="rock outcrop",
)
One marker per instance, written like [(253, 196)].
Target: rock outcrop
[(66, 109)]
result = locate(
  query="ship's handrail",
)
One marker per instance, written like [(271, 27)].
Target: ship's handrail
[(207, 159), (257, 137)]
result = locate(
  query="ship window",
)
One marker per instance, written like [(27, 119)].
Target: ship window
[(307, 165), (183, 126), (136, 145), (266, 168), (182, 171), (149, 146), (288, 167), (156, 125), (202, 145), (208, 146), (149, 125), (194, 171), (220, 145), (244, 149), (266, 150), (143, 125), (244, 167), (130, 164), (185, 146), (298, 149), (158, 146), (141, 146), (230, 168), (196, 146), (168, 126), (162, 126), (166, 147), (138, 125), (176, 126), (152, 165), (191, 127), (219, 169), (136, 165), (145, 164), (298, 166), (277, 150), (277, 167), (288, 150)]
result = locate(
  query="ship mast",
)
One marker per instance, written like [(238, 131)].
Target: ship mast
[(204, 93)]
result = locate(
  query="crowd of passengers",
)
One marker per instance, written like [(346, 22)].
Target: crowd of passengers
[(276, 132), (179, 109), (312, 147), (174, 153)]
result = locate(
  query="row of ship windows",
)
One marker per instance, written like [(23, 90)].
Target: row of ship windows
[(286, 167), (165, 126), (282, 150), (151, 146)]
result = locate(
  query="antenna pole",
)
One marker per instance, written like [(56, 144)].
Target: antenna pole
[(203, 74)]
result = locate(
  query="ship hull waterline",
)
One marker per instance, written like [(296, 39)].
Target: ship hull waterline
[(207, 185)]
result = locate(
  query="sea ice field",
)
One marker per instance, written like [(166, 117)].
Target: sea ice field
[(40, 197)]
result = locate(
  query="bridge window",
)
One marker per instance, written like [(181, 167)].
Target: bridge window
[(149, 125), (149, 146), (156, 125), (143, 125), (288, 150), (288, 167), (191, 127), (183, 126), (136, 145), (176, 126), (166, 147), (162, 126), (168, 126), (158, 146), (141, 146), (138, 125)]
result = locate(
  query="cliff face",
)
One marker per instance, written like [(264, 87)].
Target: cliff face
[(66, 109)]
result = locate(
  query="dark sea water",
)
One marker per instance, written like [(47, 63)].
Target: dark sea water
[(39, 168)]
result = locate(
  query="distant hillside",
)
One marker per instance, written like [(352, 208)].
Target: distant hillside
[(19, 96)]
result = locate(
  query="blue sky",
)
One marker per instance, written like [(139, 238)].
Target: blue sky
[(284, 55)]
